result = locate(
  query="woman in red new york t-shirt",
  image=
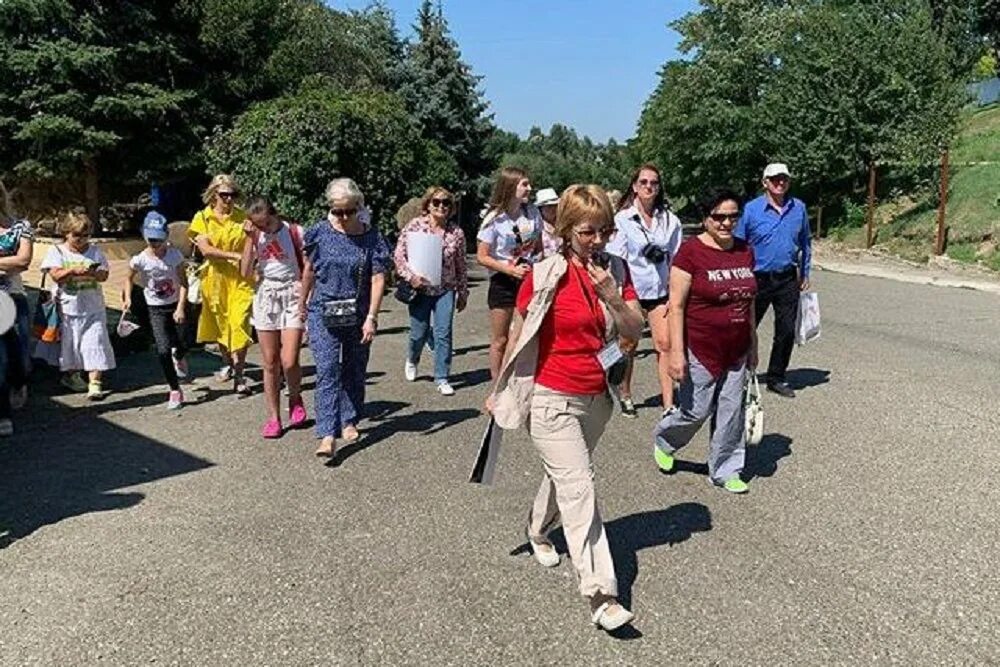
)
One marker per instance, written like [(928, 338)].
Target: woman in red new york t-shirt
[(712, 290), (565, 305)]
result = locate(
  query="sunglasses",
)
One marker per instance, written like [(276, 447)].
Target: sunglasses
[(648, 182), (227, 195), (591, 233), (441, 203), (781, 178), (343, 212), (722, 217)]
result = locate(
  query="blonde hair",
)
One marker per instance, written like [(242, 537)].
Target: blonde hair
[(218, 182), (75, 223), (582, 203), (425, 201), (344, 188)]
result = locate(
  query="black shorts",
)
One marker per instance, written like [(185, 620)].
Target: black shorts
[(503, 291), (650, 304)]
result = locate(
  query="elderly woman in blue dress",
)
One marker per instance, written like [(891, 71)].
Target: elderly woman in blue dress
[(342, 285)]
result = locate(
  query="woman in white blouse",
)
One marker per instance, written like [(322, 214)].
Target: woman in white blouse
[(648, 237), (509, 241)]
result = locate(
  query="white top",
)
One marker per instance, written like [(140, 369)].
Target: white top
[(79, 295), (651, 280), (276, 256), (160, 281), (503, 234)]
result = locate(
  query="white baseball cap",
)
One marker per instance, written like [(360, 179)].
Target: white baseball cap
[(777, 169), (546, 197)]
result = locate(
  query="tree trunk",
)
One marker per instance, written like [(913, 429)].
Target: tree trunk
[(92, 197), (870, 213)]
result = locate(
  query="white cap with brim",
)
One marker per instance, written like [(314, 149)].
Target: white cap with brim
[(546, 197), (776, 169)]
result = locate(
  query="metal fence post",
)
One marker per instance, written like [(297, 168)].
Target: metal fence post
[(939, 241)]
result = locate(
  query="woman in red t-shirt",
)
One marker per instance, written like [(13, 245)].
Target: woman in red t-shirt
[(566, 304), (712, 290)]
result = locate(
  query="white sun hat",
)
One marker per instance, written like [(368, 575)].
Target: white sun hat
[(546, 197)]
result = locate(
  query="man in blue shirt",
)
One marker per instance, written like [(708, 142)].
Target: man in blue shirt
[(777, 228)]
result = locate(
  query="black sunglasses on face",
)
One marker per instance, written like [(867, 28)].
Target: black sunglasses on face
[(722, 217), (652, 183), (441, 203), (227, 195), (343, 212)]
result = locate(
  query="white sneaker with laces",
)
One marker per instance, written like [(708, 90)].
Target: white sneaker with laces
[(410, 371), (445, 389)]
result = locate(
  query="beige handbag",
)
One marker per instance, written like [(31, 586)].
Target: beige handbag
[(754, 412)]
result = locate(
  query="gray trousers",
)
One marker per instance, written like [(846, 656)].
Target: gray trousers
[(702, 396)]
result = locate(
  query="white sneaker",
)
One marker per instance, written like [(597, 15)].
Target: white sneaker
[(445, 389), (6, 428), (410, 371)]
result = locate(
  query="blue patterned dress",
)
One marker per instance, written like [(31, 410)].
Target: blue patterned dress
[(341, 359)]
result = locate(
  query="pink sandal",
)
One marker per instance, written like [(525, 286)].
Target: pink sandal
[(272, 429)]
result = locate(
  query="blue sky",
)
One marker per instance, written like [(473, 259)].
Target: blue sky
[(589, 64)]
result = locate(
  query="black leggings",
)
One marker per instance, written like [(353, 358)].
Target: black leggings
[(168, 337)]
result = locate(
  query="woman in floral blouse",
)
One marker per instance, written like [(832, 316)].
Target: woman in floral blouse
[(435, 301)]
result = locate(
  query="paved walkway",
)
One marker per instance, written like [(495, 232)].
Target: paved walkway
[(141, 536)]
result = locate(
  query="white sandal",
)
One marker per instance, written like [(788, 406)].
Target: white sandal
[(611, 621)]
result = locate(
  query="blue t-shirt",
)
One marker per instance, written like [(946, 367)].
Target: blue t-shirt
[(781, 239), (337, 259)]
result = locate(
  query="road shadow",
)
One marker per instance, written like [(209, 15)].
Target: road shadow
[(471, 378), (762, 460), (383, 423), (469, 349), (630, 534), (803, 378), (64, 462)]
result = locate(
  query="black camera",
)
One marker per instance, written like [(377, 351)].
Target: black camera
[(653, 253)]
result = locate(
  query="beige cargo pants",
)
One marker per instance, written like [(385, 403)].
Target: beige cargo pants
[(565, 429)]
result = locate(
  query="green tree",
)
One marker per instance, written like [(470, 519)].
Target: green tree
[(289, 148), (861, 85), (443, 95), (702, 124), (106, 91)]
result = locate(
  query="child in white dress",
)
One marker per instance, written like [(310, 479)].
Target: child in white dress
[(78, 268)]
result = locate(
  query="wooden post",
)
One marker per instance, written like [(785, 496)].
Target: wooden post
[(870, 213), (819, 221), (942, 205)]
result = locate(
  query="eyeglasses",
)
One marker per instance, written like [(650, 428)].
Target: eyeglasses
[(343, 212), (227, 195), (780, 178), (605, 233), (441, 203), (649, 182), (722, 217)]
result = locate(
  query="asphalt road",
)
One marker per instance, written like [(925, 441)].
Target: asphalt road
[(138, 536)]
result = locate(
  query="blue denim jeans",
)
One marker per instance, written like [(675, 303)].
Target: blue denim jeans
[(441, 309)]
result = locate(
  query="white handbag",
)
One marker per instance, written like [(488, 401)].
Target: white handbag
[(754, 412)]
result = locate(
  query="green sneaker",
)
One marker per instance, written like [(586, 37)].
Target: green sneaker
[(735, 485), (663, 460), (74, 382)]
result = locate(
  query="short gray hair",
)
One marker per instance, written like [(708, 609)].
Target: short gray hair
[(344, 188)]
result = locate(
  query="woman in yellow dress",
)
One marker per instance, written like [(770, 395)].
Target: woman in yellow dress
[(227, 297)]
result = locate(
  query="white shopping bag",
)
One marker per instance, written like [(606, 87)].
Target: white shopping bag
[(807, 323)]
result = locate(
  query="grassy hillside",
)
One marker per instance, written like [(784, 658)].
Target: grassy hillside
[(907, 225)]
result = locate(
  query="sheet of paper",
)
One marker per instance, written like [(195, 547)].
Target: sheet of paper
[(424, 254)]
